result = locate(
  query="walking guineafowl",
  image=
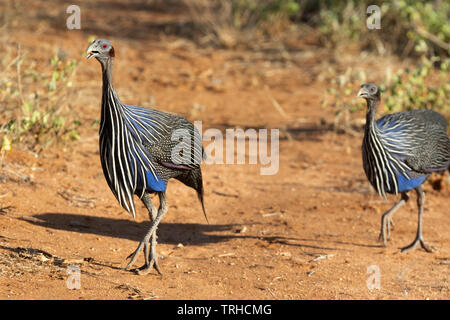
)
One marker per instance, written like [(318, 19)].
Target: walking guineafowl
[(140, 150), (400, 151)]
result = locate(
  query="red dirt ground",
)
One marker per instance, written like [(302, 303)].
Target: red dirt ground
[(308, 232)]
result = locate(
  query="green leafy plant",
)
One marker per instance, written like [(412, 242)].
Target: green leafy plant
[(419, 88), (424, 23), (36, 103)]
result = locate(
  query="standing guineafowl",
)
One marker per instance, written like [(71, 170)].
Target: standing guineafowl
[(400, 151), (140, 150)]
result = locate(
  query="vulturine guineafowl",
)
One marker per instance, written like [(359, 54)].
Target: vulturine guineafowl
[(140, 150), (400, 151)]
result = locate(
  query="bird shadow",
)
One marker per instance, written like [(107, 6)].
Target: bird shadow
[(168, 233)]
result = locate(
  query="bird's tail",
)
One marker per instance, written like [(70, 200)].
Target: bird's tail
[(200, 197), (193, 179)]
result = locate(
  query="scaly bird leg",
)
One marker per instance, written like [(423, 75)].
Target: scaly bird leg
[(419, 238), (386, 219), (151, 258), (152, 213)]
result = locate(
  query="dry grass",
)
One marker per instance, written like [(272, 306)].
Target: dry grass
[(35, 96), (230, 23)]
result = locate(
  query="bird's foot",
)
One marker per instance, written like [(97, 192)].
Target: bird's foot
[(382, 238), (391, 223), (418, 241), (151, 260), (134, 254), (147, 267), (386, 227)]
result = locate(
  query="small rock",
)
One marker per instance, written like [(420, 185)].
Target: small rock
[(242, 230)]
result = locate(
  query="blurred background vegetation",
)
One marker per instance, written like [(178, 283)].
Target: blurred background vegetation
[(35, 103), (230, 22)]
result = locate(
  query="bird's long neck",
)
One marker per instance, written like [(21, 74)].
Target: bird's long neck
[(372, 107), (107, 68), (111, 104), (110, 99), (108, 88)]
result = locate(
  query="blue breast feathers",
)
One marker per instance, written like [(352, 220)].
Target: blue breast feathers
[(155, 184), (405, 184)]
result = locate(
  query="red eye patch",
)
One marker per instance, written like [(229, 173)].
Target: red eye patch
[(105, 46)]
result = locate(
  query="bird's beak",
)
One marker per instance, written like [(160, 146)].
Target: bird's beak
[(91, 52), (362, 93)]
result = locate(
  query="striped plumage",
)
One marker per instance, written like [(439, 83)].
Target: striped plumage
[(141, 149), (135, 149), (400, 151)]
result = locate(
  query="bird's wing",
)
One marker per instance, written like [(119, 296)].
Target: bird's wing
[(170, 140), (434, 154), (420, 138)]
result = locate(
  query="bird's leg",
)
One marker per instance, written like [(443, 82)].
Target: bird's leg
[(152, 212), (151, 234), (419, 239), (386, 220), (151, 258), (152, 215)]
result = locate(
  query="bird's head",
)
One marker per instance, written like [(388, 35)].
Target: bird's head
[(369, 91), (101, 49)]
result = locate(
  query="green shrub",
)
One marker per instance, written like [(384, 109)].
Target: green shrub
[(35, 109), (419, 88), (404, 25)]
